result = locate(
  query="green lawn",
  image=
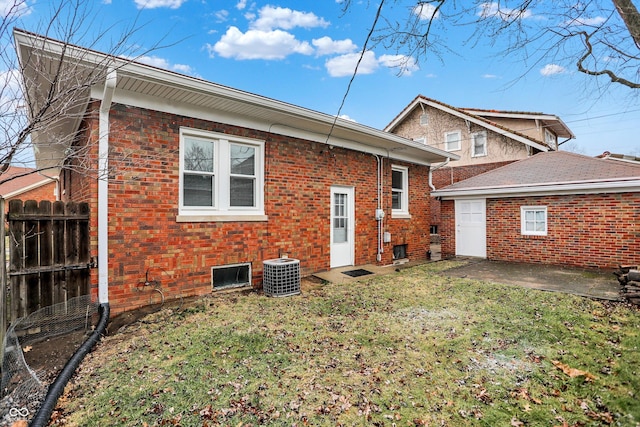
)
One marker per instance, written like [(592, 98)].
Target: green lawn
[(408, 349)]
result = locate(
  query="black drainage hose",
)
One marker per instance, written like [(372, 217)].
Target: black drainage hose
[(43, 415)]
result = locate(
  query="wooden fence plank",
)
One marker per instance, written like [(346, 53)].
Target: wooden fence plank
[(16, 263), (58, 231), (46, 254), (31, 258)]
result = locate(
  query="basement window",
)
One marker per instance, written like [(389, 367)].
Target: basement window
[(400, 251), (231, 276)]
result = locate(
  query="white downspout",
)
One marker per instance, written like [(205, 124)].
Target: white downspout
[(441, 165), (379, 210), (103, 187)]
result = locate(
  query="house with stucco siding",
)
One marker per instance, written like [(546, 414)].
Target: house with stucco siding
[(483, 139)]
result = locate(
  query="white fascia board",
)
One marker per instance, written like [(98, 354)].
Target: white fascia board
[(622, 186), (526, 116), (189, 110)]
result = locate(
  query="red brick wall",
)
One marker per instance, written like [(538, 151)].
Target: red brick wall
[(590, 231), (450, 175), (144, 236), (447, 229)]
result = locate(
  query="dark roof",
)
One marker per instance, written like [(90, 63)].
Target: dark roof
[(550, 168)]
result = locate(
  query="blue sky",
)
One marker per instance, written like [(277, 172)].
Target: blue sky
[(304, 53)]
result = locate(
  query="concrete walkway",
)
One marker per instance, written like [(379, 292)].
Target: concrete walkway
[(587, 283)]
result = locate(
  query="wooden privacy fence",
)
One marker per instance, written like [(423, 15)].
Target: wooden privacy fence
[(49, 254)]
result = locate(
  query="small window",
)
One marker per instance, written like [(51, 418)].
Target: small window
[(533, 221), (550, 139), (400, 251), (231, 276), (479, 144), (452, 141), (399, 190), (422, 140)]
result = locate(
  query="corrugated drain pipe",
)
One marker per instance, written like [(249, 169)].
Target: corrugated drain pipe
[(55, 390)]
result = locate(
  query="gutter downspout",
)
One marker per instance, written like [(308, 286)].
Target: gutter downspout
[(103, 188), (42, 417), (441, 165), (379, 210)]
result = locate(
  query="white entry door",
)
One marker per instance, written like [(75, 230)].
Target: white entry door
[(471, 228), (342, 226)]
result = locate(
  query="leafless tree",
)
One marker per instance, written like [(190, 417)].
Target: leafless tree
[(59, 93), (599, 38)]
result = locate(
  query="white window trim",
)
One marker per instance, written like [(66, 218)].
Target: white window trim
[(222, 211), (473, 144), (523, 210), (404, 199), (446, 141)]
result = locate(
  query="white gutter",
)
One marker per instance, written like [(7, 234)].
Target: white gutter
[(103, 187), (446, 162), (623, 185)]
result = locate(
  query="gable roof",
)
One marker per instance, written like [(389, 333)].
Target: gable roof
[(556, 172), (144, 86), (549, 121), (18, 180), (469, 115)]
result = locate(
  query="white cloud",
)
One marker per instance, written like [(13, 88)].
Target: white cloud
[(221, 15), (344, 65), (258, 45), (552, 69), (14, 8), (493, 9), (346, 117), (153, 4), (592, 22), (406, 65), (327, 46), (241, 4), (426, 11), (489, 76), (11, 94), (270, 17), (158, 62)]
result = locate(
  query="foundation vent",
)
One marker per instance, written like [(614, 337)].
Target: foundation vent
[(281, 277)]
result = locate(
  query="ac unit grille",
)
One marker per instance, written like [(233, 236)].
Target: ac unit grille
[(281, 277)]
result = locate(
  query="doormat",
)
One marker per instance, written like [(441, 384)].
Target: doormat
[(357, 273)]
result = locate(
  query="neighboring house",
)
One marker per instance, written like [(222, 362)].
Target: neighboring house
[(206, 182), (553, 208), (27, 184), (484, 139)]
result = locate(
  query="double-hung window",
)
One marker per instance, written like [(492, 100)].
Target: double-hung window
[(452, 141), (533, 220), (399, 191), (221, 177), (479, 144), (550, 139)]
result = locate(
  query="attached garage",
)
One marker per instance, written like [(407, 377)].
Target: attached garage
[(553, 208)]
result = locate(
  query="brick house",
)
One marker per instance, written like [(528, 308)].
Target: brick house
[(27, 184), (484, 139), (552, 208), (205, 182)]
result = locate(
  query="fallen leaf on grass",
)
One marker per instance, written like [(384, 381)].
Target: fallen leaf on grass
[(572, 372), (516, 423), (27, 349)]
